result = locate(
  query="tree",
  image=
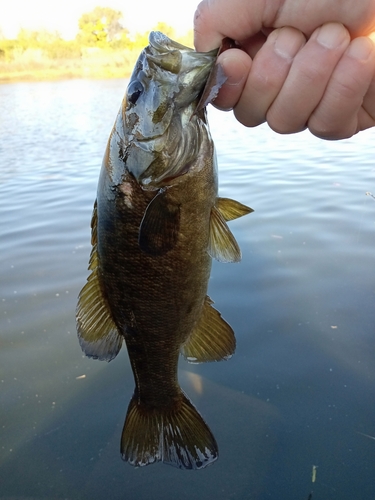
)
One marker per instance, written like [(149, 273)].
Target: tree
[(166, 29), (100, 27)]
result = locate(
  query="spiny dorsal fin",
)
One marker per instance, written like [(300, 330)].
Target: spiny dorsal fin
[(176, 435), (94, 223), (222, 245), (232, 209), (212, 338), (97, 333), (159, 228)]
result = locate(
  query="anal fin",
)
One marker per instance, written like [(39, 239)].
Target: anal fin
[(212, 338)]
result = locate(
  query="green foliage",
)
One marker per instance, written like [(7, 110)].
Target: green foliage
[(100, 28), (6, 49), (103, 47), (166, 29), (140, 40), (48, 43), (63, 49), (28, 39)]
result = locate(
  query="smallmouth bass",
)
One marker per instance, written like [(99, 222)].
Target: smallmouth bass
[(156, 224)]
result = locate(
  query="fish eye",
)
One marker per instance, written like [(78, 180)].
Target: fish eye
[(135, 89)]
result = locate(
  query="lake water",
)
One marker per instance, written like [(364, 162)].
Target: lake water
[(298, 393)]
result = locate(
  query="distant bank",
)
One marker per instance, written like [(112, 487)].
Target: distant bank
[(32, 65)]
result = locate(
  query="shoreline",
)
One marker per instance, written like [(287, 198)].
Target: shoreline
[(96, 65), (58, 61), (63, 74)]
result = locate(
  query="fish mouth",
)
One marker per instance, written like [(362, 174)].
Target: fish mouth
[(164, 128), (172, 56), (162, 43), (181, 73)]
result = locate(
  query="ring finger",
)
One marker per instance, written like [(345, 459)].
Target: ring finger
[(267, 75)]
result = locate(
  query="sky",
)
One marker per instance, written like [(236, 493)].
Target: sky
[(139, 16)]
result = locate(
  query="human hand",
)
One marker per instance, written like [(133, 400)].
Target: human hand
[(326, 83)]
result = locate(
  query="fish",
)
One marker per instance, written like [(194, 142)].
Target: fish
[(157, 223)]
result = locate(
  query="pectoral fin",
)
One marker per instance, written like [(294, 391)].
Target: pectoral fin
[(97, 333), (232, 209), (212, 338), (159, 228), (222, 245)]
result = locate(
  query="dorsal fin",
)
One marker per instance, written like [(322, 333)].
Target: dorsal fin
[(212, 338), (159, 228), (97, 332)]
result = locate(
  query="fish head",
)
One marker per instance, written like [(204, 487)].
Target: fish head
[(159, 124)]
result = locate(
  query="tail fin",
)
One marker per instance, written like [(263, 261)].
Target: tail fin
[(176, 436)]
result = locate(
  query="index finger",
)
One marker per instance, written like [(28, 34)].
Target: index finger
[(237, 19), (241, 19)]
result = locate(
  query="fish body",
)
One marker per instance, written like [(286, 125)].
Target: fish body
[(156, 224)]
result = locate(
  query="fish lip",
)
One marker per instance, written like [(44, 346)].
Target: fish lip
[(162, 42)]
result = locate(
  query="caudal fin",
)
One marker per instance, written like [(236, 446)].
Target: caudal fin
[(176, 436)]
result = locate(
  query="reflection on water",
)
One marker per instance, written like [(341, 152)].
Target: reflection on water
[(299, 390)]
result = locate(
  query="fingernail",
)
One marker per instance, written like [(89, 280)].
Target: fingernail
[(286, 45), (361, 49), (332, 35)]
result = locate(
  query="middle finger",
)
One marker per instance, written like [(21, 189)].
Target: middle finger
[(267, 75), (307, 79)]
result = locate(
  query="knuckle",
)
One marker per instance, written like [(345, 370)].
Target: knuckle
[(264, 82), (347, 88), (310, 74)]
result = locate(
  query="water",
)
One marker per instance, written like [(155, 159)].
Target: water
[(300, 390)]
